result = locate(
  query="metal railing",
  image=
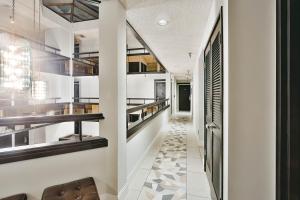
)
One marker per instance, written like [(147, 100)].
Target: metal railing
[(138, 116), (140, 101), (86, 99)]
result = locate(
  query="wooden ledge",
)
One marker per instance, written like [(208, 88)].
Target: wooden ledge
[(15, 154)]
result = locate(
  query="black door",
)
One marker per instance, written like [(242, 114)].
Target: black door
[(6, 141), (22, 138), (76, 91), (214, 111), (184, 97), (77, 124), (160, 89), (288, 100)]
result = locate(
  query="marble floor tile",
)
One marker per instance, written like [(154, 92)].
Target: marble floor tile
[(197, 184), (133, 195), (193, 197), (193, 152), (173, 167), (195, 164)]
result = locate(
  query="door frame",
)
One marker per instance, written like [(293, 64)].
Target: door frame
[(177, 94), (218, 19), (159, 81), (183, 84), (287, 99)]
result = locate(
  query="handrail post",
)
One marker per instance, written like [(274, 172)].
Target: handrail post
[(80, 130), (127, 114)]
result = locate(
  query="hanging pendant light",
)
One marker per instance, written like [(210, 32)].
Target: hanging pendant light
[(39, 87), (12, 16)]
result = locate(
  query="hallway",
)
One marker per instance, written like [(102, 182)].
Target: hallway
[(173, 166)]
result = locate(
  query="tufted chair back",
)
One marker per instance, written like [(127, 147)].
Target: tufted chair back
[(84, 189), (16, 197)]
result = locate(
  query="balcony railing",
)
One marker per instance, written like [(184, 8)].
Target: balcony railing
[(140, 101), (139, 116), (70, 143)]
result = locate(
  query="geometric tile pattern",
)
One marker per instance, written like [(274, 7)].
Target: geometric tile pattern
[(168, 177)]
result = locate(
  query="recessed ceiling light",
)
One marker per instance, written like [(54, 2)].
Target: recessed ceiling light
[(162, 22)]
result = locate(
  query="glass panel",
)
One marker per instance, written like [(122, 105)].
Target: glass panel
[(62, 9), (83, 15)]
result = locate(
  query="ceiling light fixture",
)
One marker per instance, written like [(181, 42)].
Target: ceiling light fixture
[(12, 17), (162, 22)]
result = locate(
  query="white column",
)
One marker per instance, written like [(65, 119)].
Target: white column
[(250, 99), (112, 80)]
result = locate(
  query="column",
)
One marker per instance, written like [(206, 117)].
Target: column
[(112, 80)]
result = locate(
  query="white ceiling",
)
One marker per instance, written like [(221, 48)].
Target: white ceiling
[(183, 34)]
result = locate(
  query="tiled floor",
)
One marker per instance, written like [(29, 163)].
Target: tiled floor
[(173, 168)]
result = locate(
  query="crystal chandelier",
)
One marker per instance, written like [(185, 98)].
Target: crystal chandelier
[(39, 90), (15, 63)]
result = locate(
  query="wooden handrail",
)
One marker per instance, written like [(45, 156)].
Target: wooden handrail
[(85, 53), (85, 97), (40, 119), (142, 98)]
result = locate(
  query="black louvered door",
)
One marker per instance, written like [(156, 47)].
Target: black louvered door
[(208, 111), (214, 111)]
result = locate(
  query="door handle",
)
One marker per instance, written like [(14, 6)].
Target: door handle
[(207, 126), (211, 126)]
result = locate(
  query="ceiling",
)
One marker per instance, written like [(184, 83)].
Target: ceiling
[(182, 35)]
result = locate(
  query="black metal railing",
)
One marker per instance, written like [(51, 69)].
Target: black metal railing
[(137, 52), (86, 99), (66, 144), (138, 116), (140, 101)]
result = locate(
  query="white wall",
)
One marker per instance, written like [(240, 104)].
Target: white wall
[(251, 79), (89, 45), (137, 147), (142, 85), (89, 86), (56, 131), (249, 97), (33, 176), (198, 100), (37, 136), (58, 86), (61, 39)]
